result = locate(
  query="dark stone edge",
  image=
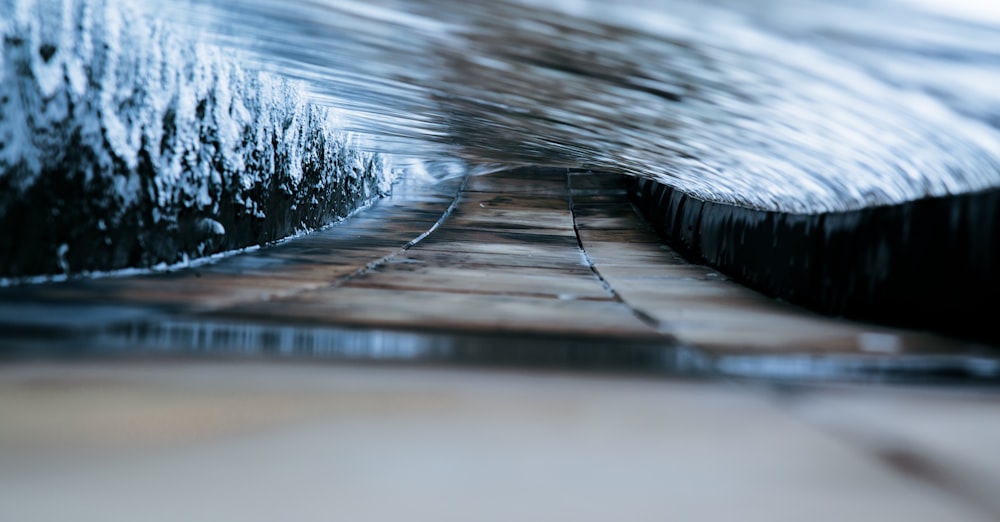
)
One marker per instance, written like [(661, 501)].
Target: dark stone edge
[(931, 264), (192, 337), (62, 210)]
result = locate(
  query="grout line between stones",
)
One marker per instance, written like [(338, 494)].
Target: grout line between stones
[(410, 244), (660, 327)]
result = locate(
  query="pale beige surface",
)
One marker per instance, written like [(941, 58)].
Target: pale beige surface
[(257, 441)]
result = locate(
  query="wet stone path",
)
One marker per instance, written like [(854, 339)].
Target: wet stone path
[(506, 259), (530, 257), (202, 394)]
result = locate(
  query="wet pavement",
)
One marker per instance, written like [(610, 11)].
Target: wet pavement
[(545, 260), (513, 346)]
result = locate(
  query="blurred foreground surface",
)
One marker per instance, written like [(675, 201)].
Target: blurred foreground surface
[(224, 441)]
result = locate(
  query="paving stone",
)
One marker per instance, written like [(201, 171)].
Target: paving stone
[(434, 310), (483, 281)]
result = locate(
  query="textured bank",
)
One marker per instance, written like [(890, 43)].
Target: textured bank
[(929, 263), (125, 142)]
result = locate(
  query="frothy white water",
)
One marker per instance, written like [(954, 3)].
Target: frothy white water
[(795, 105), (126, 141), (109, 77)]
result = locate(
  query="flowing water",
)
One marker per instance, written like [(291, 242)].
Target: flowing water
[(795, 105)]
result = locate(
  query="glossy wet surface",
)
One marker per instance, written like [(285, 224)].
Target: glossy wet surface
[(521, 267), (532, 351)]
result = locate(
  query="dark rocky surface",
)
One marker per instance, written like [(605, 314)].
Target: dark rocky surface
[(928, 264)]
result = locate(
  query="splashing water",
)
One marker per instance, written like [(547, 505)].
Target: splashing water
[(125, 142), (800, 106)]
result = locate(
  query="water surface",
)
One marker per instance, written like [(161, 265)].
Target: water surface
[(802, 106)]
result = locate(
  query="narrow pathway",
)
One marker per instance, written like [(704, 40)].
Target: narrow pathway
[(506, 260), (532, 255)]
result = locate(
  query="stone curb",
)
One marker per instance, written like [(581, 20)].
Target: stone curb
[(930, 263)]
